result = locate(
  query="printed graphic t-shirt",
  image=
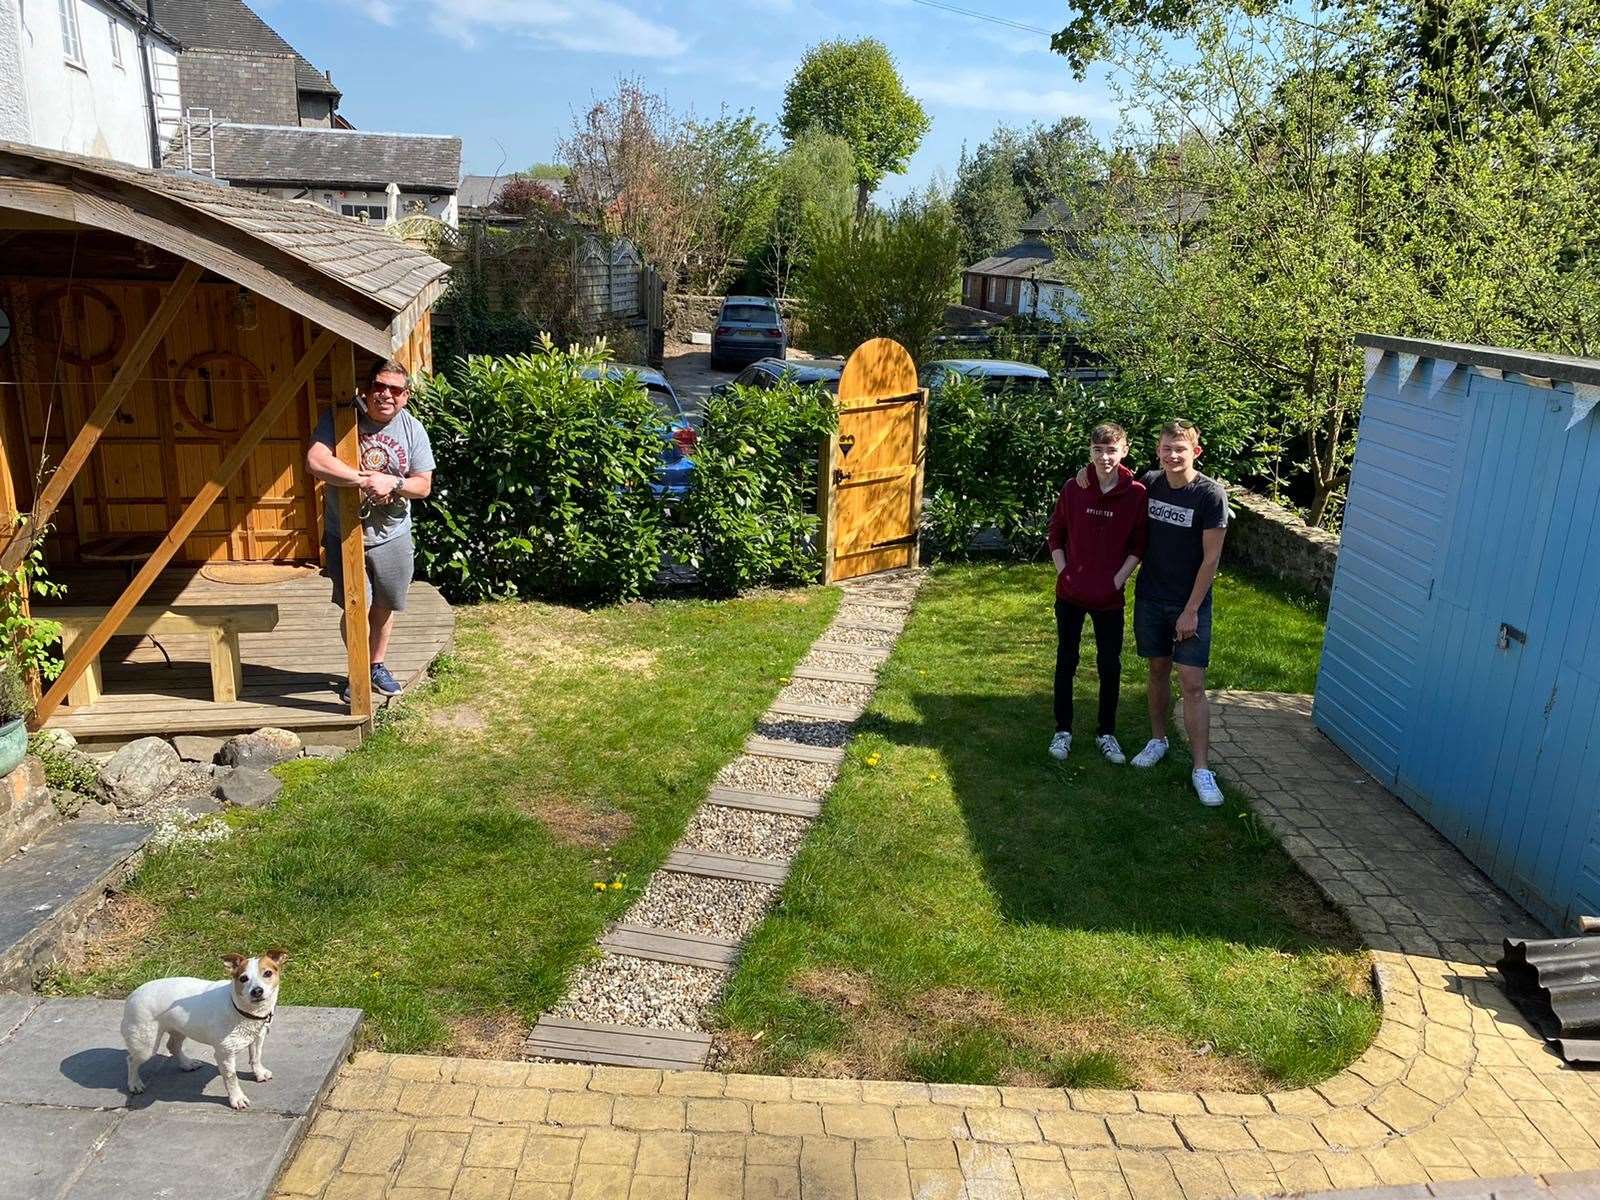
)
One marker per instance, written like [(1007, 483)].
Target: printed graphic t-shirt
[(399, 448), (1174, 547)]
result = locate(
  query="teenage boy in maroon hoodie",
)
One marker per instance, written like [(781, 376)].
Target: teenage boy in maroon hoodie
[(1096, 539)]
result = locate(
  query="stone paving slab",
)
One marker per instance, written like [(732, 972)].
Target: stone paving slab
[(70, 1131), (1455, 1086)]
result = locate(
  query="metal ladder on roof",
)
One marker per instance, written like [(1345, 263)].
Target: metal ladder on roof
[(165, 98), (199, 142)]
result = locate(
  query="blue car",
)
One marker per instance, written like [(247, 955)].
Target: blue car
[(677, 432)]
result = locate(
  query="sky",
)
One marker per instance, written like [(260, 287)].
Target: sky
[(507, 75)]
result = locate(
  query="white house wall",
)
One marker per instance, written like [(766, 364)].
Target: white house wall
[(1054, 303), (441, 208), (94, 107), (14, 125)]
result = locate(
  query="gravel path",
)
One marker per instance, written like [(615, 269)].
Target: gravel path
[(827, 691), (837, 660), (622, 990), (871, 613), (807, 731), (725, 908), (860, 637), (722, 830), (754, 773)]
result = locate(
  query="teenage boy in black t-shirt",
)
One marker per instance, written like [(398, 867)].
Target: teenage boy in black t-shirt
[(1188, 518)]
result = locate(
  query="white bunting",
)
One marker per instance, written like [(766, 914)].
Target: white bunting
[(1408, 364), (1584, 397), (1443, 369), (1374, 357)]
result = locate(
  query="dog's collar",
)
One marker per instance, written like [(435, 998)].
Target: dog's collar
[(252, 1016)]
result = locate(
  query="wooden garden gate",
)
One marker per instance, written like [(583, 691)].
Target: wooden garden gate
[(870, 497)]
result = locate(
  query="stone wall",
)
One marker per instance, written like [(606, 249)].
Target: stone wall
[(1263, 536)]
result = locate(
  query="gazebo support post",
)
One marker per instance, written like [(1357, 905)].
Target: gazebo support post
[(347, 444), (87, 649)]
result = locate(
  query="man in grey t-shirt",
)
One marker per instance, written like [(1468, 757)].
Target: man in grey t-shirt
[(396, 467)]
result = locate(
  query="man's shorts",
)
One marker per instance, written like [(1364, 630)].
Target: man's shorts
[(389, 570), (1155, 625)]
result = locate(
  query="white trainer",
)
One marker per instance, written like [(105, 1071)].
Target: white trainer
[(1154, 751), (1060, 744), (1205, 785), (1109, 747)]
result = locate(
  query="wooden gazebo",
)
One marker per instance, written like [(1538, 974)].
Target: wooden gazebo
[(167, 345)]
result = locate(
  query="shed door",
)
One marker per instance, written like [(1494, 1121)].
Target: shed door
[(1459, 767)]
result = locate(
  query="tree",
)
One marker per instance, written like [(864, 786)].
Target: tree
[(543, 172), (732, 161), (523, 197), (813, 188), (886, 274), (1011, 176), (853, 91)]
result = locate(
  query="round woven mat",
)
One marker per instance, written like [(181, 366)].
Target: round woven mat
[(256, 573)]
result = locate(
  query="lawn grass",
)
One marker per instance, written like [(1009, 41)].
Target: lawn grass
[(442, 878), (969, 910)]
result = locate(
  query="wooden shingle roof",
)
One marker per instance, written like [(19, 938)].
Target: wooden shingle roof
[(347, 276)]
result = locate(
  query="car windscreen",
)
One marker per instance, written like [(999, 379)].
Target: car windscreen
[(666, 403), (750, 314)]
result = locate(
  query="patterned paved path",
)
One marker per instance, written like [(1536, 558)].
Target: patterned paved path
[(1455, 1085)]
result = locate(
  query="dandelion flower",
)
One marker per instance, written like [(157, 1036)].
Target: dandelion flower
[(616, 885), (598, 886), (872, 760)]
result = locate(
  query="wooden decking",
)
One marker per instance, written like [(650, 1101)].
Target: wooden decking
[(291, 676)]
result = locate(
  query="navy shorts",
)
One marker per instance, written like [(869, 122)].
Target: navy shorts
[(1155, 624)]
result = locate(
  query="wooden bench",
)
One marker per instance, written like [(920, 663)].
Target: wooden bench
[(220, 623)]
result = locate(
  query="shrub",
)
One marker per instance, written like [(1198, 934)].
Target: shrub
[(750, 515), (543, 480), (15, 701)]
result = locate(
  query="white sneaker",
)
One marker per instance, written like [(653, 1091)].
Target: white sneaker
[(1109, 747), (1154, 751), (1205, 784), (1060, 744)]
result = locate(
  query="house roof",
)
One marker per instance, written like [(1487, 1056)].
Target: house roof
[(137, 13), (1051, 217), (318, 157), (480, 191), (1025, 260), (346, 276), (231, 25)]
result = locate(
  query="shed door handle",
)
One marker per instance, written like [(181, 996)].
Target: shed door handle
[(1509, 634)]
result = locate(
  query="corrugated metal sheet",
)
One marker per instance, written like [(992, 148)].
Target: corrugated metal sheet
[(1462, 659), (1556, 985)]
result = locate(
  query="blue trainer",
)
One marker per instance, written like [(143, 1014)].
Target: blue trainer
[(384, 683)]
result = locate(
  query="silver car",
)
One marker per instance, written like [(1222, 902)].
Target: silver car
[(748, 328)]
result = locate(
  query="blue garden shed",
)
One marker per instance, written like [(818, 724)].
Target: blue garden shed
[(1461, 664)]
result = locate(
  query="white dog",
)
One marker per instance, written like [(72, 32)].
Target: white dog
[(228, 1015)]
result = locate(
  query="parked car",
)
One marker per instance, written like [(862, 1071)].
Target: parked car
[(677, 431), (748, 328), (804, 371), (995, 374)]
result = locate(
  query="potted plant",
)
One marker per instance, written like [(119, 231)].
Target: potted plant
[(15, 703)]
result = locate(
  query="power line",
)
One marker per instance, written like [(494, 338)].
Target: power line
[(979, 16)]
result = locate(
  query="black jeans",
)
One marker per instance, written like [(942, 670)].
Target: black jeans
[(1107, 660)]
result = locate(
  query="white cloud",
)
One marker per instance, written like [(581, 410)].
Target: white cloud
[(582, 26), (1004, 90)]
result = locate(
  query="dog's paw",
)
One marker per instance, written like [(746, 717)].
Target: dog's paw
[(190, 1064), (241, 1101), (135, 1089), (262, 1074)]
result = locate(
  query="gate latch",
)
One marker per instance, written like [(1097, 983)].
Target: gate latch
[(1509, 634), (839, 476)]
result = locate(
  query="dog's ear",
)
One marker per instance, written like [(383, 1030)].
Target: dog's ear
[(277, 956), (235, 962)]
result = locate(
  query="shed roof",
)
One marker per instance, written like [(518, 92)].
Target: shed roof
[(1522, 362), (1025, 260), (346, 276), (314, 156), (231, 25)]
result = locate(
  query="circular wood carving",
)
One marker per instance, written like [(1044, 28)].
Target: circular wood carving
[(217, 390), (52, 324)]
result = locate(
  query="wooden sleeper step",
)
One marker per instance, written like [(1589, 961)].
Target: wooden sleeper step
[(666, 945), (798, 752), (833, 676), (617, 1045), (874, 601), (865, 623), (772, 802), (726, 866), (822, 712), (876, 653)]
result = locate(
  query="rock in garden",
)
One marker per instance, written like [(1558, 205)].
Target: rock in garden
[(326, 753), (262, 749), (247, 787), (55, 739), (138, 771), (193, 747), (68, 803)]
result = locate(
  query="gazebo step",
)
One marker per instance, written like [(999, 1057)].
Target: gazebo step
[(773, 748), (666, 945), (616, 1045), (772, 802), (726, 866)]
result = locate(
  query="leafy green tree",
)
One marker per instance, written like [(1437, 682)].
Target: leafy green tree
[(543, 172), (732, 160), (987, 201), (886, 274), (813, 188), (853, 91)]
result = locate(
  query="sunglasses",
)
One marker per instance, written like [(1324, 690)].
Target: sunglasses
[(389, 389)]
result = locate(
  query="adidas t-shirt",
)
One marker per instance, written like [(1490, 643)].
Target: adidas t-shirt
[(1174, 546)]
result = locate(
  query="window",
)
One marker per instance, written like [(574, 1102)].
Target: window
[(1011, 290), (71, 42), (370, 212), (116, 43)]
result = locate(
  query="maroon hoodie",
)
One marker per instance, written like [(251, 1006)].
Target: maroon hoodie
[(1097, 531)]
